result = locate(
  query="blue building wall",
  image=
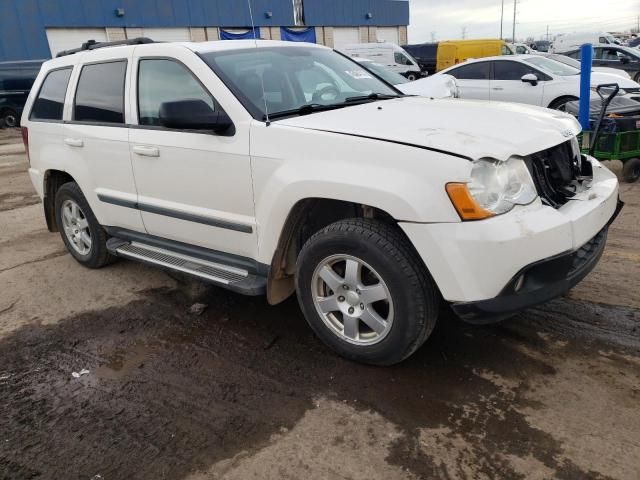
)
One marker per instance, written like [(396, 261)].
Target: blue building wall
[(344, 13), (23, 22)]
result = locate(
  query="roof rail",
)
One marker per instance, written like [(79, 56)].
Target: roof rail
[(92, 45)]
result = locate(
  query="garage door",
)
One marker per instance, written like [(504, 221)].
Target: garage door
[(388, 34), (345, 35), (68, 38), (161, 34)]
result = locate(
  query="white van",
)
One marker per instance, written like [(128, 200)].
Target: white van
[(387, 54), (571, 41)]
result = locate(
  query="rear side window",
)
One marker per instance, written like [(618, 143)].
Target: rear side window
[(160, 81), (473, 71), (100, 93), (49, 103)]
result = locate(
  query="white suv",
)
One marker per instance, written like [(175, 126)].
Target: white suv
[(273, 167)]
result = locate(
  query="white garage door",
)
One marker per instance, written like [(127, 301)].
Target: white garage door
[(388, 34), (345, 36), (68, 38), (161, 34)]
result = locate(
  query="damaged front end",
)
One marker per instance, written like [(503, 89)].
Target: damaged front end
[(560, 173)]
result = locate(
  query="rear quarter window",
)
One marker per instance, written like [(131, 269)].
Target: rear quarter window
[(49, 104), (100, 93)]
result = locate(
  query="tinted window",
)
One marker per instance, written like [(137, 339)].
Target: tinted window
[(511, 70), (575, 54), (100, 93), (162, 81), (473, 71), (50, 101)]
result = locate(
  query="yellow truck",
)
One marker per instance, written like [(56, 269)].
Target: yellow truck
[(452, 52)]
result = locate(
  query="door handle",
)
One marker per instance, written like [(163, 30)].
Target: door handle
[(74, 142), (146, 151), (497, 88)]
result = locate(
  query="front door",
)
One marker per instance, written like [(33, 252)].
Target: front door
[(507, 84), (194, 186)]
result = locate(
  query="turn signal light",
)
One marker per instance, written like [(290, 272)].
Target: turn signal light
[(465, 204)]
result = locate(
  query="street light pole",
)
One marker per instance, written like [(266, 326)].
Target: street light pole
[(515, 5), (501, 18)]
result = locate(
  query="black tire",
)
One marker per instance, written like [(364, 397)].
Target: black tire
[(412, 76), (637, 78), (631, 170), (413, 292), (9, 118), (559, 103), (97, 256)]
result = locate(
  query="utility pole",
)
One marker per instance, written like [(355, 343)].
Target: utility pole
[(547, 33), (464, 32), (515, 6), (433, 37), (501, 18)]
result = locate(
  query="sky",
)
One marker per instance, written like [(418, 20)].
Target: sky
[(446, 19)]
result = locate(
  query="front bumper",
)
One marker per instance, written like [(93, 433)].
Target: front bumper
[(476, 262), (539, 282)]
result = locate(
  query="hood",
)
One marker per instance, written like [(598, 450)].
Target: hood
[(468, 128), (436, 86), (601, 78)]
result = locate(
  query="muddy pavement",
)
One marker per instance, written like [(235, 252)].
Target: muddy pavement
[(242, 390)]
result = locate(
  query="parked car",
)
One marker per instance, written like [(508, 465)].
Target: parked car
[(572, 62), (571, 41), (531, 79), (440, 86), (388, 54), (521, 48), (426, 54), (612, 56), (453, 52), (272, 168), (16, 79), (540, 45)]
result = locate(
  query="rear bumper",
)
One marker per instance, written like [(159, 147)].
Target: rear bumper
[(538, 282)]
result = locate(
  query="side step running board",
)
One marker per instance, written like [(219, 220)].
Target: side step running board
[(225, 276)]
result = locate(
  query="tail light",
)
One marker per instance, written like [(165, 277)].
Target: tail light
[(25, 140)]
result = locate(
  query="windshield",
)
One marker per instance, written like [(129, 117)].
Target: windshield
[(553, 67), (572, 62), (383, 72), (289, 78)]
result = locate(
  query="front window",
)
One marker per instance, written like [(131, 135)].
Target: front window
[(506, 50), (553, 67), (160, 81), (274, 80)]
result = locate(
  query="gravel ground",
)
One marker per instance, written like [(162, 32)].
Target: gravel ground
[(242, 390)]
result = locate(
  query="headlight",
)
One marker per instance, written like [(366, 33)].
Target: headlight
[(499, 186)]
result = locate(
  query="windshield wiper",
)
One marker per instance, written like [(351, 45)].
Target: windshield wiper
[(304, 110), (371, 96)]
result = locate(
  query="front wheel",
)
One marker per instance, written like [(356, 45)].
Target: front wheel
[(365, 292), (411, 76), (561, 103)]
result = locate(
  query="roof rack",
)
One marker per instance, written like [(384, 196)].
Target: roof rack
[(92, 45)]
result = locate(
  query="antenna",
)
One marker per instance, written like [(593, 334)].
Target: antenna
[(255, 41)]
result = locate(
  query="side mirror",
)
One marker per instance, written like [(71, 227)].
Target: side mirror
[(195, 115), (530, 78)]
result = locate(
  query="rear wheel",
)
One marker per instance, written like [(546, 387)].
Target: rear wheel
[(560, 103), (631, 170), (365, 292), (9, 118), (81, 233)]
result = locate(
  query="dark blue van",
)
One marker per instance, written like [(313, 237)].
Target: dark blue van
[(16, 79)]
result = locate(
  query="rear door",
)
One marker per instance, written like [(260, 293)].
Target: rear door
[(507, 85), (97, 138), (473, 80)]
